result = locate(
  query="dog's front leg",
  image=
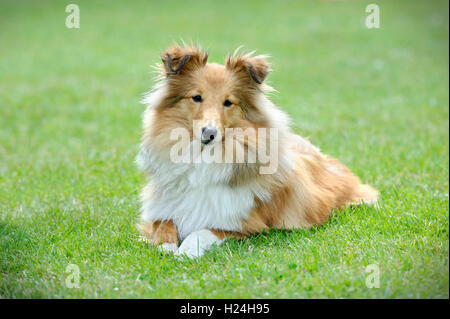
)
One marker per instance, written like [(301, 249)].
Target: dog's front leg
[(198, 242), (163, 234)]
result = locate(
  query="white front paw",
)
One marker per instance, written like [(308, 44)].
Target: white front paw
[(168, 248), (197, 243)]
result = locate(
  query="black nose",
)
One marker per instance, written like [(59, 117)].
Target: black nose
[(208, 134)]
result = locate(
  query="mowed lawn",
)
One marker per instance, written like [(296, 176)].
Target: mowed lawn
[(70, 126)]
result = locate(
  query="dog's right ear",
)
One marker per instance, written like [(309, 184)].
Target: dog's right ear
[(181, 60)]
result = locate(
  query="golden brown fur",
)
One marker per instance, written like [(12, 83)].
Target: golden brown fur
[(158, 232)]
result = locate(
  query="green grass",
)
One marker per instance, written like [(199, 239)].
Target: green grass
[(70, 125)]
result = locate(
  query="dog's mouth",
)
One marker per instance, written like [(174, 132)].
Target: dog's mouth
[(207, 142)]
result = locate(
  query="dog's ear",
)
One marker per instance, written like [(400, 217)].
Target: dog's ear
[(254, 67), (181, 60)]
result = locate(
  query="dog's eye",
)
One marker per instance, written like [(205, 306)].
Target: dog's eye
[(227, 103), (197, 98)]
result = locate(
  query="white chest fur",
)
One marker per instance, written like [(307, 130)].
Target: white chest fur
[(195, 196)]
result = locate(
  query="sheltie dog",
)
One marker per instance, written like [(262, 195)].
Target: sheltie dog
[(198, 203)]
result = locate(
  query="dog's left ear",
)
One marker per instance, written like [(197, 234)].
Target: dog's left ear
[(255, 68)]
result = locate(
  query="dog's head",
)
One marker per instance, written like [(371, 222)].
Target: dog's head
[(214, 96), (213, 107)]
